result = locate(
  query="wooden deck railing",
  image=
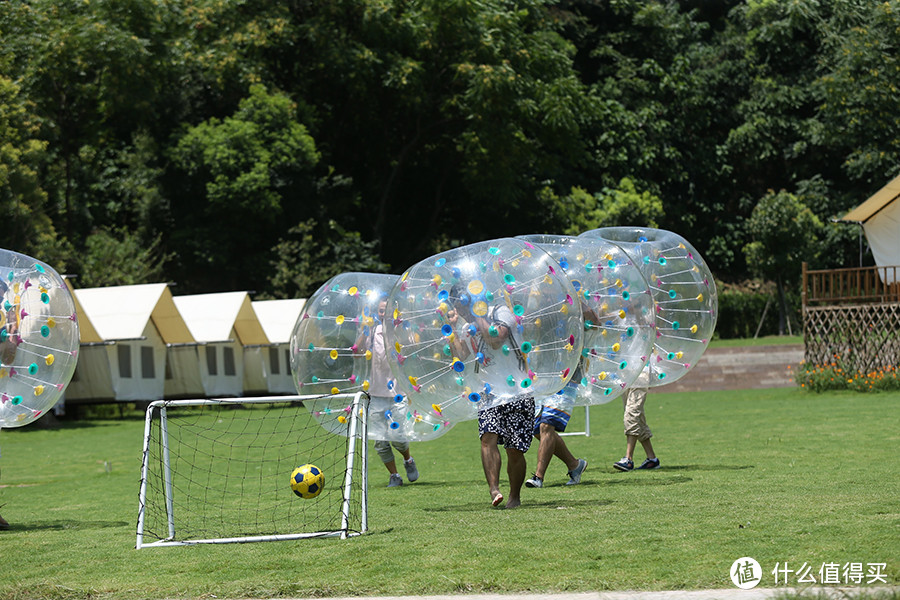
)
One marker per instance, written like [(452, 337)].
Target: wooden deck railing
[(863, 285)]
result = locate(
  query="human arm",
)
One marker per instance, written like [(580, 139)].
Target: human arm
[(494, 333), (457, 344)]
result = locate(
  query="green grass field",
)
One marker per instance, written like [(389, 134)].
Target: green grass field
[(779, 475)]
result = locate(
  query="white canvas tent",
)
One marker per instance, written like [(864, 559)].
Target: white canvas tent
[(91, 378), (880, 218), (269, 367), (222, 324), (124, 332)]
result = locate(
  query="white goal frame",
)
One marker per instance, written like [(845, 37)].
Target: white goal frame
[(357, 434), (587, 424)]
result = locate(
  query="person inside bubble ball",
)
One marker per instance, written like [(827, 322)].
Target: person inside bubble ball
[(7, 346), (8, 328), (553, 419), (509, 423), (381, 398), (548, 424), (4, 524), (636, 429)]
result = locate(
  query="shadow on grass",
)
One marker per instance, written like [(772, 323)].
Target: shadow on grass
[(645, 481), (526, 504), (67, 524), (421, 483), (563, 504), (707, 467)]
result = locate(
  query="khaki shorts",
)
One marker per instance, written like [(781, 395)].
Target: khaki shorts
[(635, 423)]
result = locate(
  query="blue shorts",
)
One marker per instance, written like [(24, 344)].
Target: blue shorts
[(551, 416)]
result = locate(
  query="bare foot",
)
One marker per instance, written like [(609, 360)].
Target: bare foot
[(513, 503), (498, 498)]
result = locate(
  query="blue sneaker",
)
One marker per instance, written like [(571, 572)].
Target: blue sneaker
[(650, 463), (575, 474), (626, 464), (412, 473)]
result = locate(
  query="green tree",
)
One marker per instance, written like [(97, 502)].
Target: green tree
[(307, 258), (121, 257), (670, 75), (27, 228), (448, 117), (784, 233), (859, 87), (101, 81), (84, 72), (580, 211), (243, 169)]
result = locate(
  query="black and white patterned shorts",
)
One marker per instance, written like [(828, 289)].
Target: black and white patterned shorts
[(512, 422)]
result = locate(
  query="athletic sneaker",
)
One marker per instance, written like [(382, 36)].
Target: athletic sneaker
[(395, 481), (534, 482), (626, 464), (575, 474), (3, 524), (412, 473), (650, 463)]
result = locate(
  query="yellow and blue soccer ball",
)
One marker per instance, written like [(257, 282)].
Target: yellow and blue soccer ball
[(307, 481)]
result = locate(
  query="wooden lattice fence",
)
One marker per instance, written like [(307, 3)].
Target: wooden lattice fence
[(862, 338), (852, 316)]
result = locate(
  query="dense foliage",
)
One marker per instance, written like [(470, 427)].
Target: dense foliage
[(267, 145)]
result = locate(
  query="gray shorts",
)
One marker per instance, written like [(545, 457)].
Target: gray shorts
[(383, 448)]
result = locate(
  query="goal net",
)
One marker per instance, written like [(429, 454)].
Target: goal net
[(219, 471)]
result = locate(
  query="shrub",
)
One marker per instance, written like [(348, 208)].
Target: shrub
[(742, 306), (833, 376)]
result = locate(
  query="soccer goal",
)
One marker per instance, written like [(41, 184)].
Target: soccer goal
[(220, 471), (587, 425)]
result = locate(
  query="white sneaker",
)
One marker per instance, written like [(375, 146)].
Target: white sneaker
[(534, 482), (575, 474)]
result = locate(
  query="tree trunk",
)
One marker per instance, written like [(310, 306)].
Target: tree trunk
[(782, 306)]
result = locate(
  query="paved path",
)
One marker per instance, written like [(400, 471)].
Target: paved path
[(817, 593), (741, 368)]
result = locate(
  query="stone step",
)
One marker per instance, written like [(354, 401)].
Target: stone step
[(751, 367)]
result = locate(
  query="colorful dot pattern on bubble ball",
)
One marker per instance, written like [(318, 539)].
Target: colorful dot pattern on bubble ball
[(39, 338)]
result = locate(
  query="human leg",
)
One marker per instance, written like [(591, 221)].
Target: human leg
[(383, 448), (550, 421), (630, 444), (386, 454), (634, 424), (515, 470), (652, 462), (546, 449), (562, 452), (409, 463), (3, 523), (518, 419), (648, 448), (402, 448), (641, 432), (491, 462), (510, 424)]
